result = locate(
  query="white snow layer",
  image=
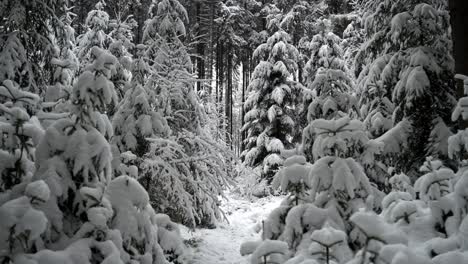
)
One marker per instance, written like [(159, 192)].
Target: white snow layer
[(222, 245)]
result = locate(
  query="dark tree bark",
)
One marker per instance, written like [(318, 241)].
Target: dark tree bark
[(459, 21), (211, 44), (200, 61), (228, 95)]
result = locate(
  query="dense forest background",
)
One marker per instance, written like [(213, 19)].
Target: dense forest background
[(119, 119)]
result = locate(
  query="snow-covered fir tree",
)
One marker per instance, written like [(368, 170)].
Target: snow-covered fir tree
[(21, 133), (406, 77), (25, 44), (73, 208), (185, 171), (315, 224), (122, 44), (136, 119), (273, 96), (96, 33), (65, 63), (329, 85)]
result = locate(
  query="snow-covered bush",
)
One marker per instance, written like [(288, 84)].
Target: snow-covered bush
[(372, 233), (23, 222), (317, 225), (293, 177), (330, 244), (336, 178), (436, 183), (267, 251)]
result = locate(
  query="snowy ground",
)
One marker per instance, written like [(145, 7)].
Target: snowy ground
[(221, 245)]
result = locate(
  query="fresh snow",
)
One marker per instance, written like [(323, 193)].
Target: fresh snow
[(222, 244)]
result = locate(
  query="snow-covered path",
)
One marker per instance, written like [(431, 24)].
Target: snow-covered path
[(221, 245)]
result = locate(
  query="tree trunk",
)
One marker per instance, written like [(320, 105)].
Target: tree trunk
[(211, 45), (459, 22), (244, 88), (141, 14), (221, 71), (228, 96), (201, 35)]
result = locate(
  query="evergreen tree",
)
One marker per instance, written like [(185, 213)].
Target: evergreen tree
[(329, 85), (315, 223), (25, 43), (136, 119), (65, 63), (73, 204), (21, 133), (185, 171), (271, 102), (408, 67), (121, 46), (96, 33)]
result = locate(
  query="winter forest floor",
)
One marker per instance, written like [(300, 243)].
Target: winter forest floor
[(221, 245)]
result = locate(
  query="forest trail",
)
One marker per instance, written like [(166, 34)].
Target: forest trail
[(221, 245)]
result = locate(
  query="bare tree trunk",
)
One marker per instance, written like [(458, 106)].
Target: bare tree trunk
[(221, 70), (459, 22), (200, 13), (211, 45), (228, 96), (245, 86)]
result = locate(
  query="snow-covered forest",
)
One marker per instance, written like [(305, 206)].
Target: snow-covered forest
[(233, 131)]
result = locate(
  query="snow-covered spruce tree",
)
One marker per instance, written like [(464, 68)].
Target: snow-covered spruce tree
[(324, 51), (21, 133), (457, 144), (433, 208), (25, 44), (408, 63), (292, 178), (316, 226), (73, 210), (270, 107), (436, 183), (184, 172), (137, 119), (96, 34), (430, 212), (122, 44), (442, 192), (337, 179), (352, 40), (65, 63), (329, 245), (376, 107), (328, 84), (457, 149), (373, 234)]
